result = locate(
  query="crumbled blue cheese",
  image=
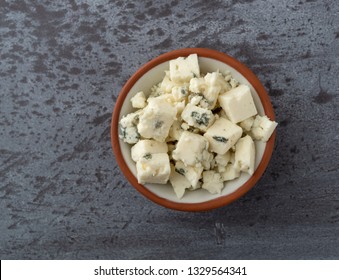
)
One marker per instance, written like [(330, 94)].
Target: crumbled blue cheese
[(128, 131), (245, 154), (191, 173), (198, 117), (247, 124), (153, 168), (262, 128), (212, 182), (189, 129), (183, 69), (190, 148), (238, 103), (157, 119), (231, 172), (178, 182), (139, 100), (222, 135), (145, 147)]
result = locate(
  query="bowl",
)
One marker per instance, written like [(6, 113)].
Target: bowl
[(152, 73)]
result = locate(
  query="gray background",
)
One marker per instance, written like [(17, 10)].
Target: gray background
[(62, 65)]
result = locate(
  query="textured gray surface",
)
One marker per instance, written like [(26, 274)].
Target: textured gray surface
[(62, 65)]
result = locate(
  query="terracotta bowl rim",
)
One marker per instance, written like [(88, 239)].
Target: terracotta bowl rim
[(222, 200)]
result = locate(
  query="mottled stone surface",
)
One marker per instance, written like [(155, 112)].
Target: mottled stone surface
[(62, 65)]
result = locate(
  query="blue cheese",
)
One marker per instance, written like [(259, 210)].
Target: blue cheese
[(247, 124), (138, 100), (146, 148), (183, 69), (231, 172), (154, 169), (196, 122), (212, 182), (238, 103), (128, 131), (191, 173), (157, 119), (178, 182), (222, 135), (262, 128), (198, 117), (190, 148), (245, 154)]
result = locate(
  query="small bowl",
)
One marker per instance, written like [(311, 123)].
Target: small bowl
[(152, 73)]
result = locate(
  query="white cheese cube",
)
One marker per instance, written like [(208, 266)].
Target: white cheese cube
[(198, 117), (157, 119), (222, 135), (154, 169), (178, 182), (138, 100), (212, 181), (247, 124), (147, 147), (216, 79), (231, 172), (245, 154), (191, 173), (183, 69), (190, 148), (263, 128), (238, 103)]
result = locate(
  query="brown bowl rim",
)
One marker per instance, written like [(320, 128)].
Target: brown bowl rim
[(216, 202)]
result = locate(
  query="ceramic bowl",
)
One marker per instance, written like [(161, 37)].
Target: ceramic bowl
[(152, 73)]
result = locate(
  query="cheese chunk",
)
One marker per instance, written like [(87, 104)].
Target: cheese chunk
[(263, 128), (222, 135), (216, 79), (191, 173), (183, 69), (175, 131), (178, 182), (128, 131), (222, 161), (190, 148), (198, 117), (138, 100), (157, 119), (247, 124), (245, 154), (167, 85), (231, 172), (197, 85), (129, 135), (212, 181), (153, 168), (180, 92), (238, 103), (146, 148)]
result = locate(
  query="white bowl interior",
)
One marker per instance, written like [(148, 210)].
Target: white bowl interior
[(154, 76)]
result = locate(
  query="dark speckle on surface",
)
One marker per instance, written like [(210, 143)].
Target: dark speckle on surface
[(62, 66)]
